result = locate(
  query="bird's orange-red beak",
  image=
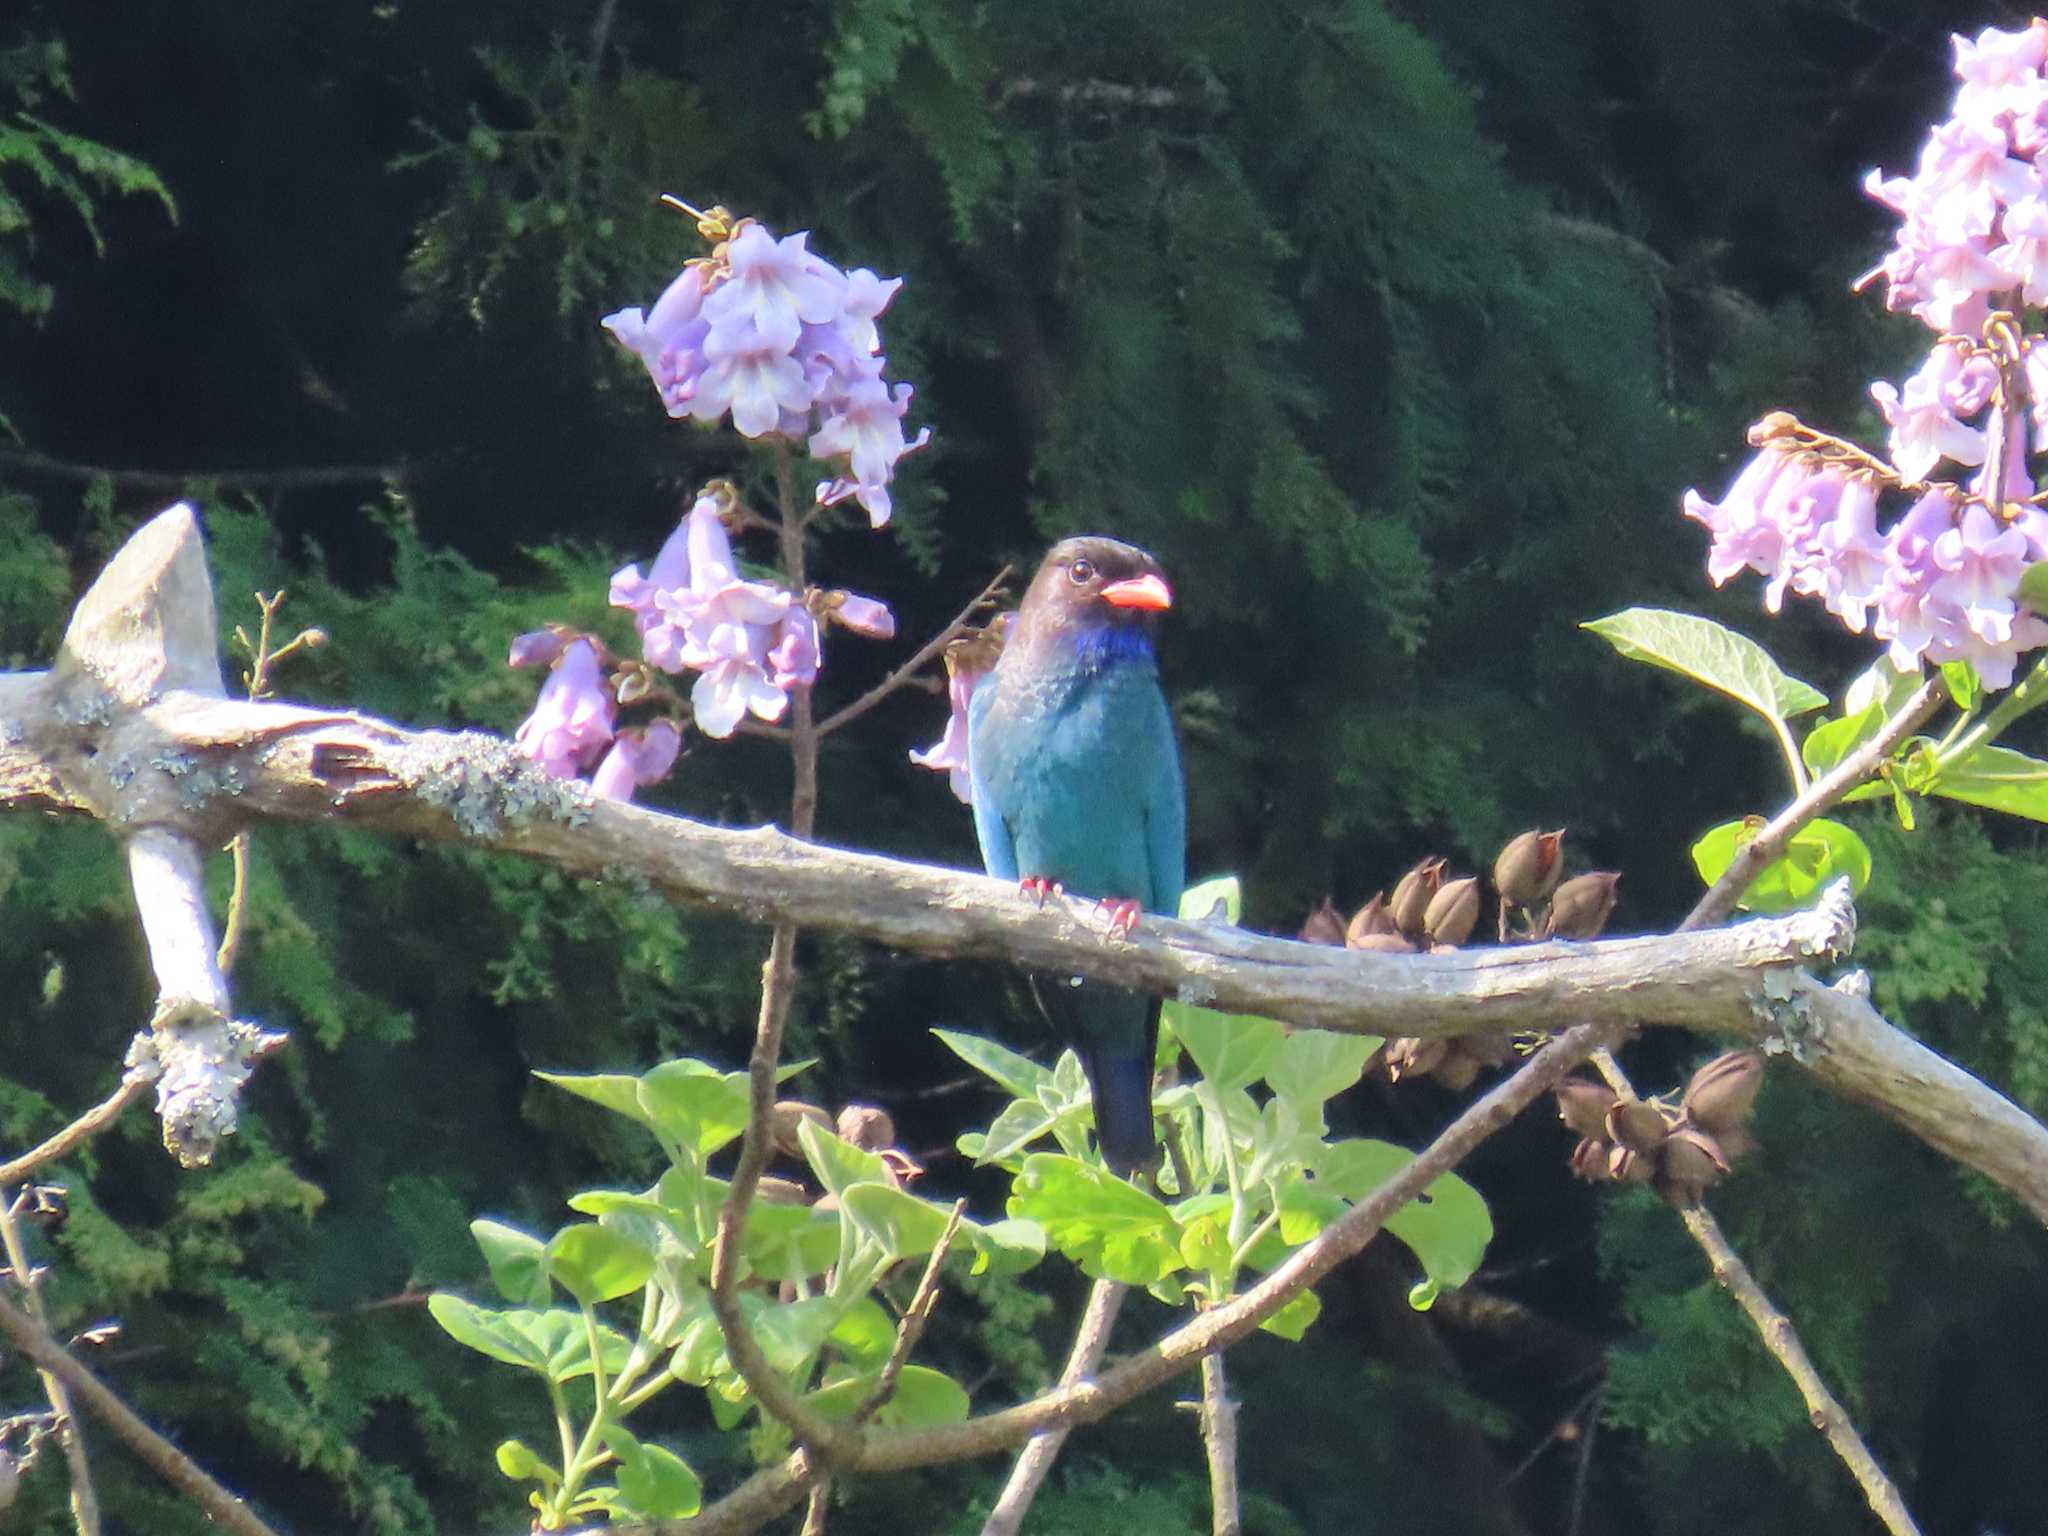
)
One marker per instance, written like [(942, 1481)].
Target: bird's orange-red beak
[(1138, 592)]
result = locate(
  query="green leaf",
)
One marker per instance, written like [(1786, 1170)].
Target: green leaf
[(1819, 853), (516, 1261), (2034, 587), (694, 1107), (1113, 1230), (1709, 653), (700, 1348), (1231, 1049), (1006, 1247), (614, 1090), (1964, 686), (785, 1242), (1998, 779), (1318, 1064), (904, 1225), (1204, 1246), (518, 1461), (923, 1398), (864, 1333), (1305, 1209), (1832, 740), (1447, 1225), (594, 1263), (1199, 903), (1019, 1074), (1293, 1320), (1022, 1122), (790, 1333), (486, 1331), (656, 1483), (836, 1161)]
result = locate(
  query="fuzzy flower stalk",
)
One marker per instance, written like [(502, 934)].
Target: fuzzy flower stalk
[(1941, 581)]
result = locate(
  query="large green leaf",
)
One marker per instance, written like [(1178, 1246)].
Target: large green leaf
[(923, 1397), (654, 1483), (695, 1107), (1709, 653), (1316, 1064), (1205, 902), (785, 1242), (1020, 1074), (1231, 1049), (1819, 853), (1447, 1225), (1998, 779), (902, 1224), (594, 1263), (516, 1260), (614, 1090), (836, 1161), (554, 1343), (1112, 1229)]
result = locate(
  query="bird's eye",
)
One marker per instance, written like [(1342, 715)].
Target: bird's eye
[(1080, 572)]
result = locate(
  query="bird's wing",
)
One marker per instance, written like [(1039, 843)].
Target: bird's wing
[(1166, 812), (998, 848)]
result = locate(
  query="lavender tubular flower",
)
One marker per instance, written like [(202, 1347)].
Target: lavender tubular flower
[(637, 758), (784, 344), (571, 721)]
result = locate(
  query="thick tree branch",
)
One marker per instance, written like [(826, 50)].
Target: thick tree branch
[(131, 727), (86, 1389), (170, 482)]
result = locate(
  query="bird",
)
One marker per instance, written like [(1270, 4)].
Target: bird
[(1076, 782)]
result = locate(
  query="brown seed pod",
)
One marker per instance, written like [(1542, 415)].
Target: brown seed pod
[(1370, 919), (1490, 1047), (1414, 1058), (1459, 1068), (1637, 1125), (1736, 1144), (1723, 1092), (1528, 867), (1410, 901), (791, 1113), (1691, 1164), (774, 1191), (1580, 907), (1382, 943), (1625, 1165), (867, 1127), (1589, 1160), (1452, 912), (1582, 1104), (1325, 925)]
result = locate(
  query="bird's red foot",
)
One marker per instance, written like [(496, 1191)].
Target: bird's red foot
[(1037, 887), (1123, 916)]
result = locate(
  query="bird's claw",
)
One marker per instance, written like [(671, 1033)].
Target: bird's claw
[(1123, 916), (1037, 887)]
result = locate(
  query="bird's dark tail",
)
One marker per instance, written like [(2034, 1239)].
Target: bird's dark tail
[(1116, 1035), (1121, 1081)]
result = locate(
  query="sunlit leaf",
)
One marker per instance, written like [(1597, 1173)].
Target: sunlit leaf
[(1111, 1228), (1998, 779), (1819, 853), (1709, 653), (1447, 1225), (1019, 1074), (515, 1259)]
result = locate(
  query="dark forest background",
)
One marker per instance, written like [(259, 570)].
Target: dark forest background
[(1396, 331)]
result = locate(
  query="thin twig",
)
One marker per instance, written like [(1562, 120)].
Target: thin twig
[(814, 1512), (172, 1464), (910, 1327), (285, 478), (77, 1133), (929, 652), (85, 1501), (1219, 1438), (1824, 792), (1034, 1462), (1782, 1341), (1582, 1473)]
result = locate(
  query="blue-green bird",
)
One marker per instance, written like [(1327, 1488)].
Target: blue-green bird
[(1077, 785)]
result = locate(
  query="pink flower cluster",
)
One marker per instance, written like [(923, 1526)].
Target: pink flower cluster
[(1975, 212), (748, 641), (1941, 584), (785, 344), (572, 727)]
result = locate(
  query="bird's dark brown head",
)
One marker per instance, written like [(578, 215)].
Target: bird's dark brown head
[(1093, 583)]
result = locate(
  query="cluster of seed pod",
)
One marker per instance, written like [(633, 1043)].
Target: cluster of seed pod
[(862, 1125), (1683, 1149), (1427, 911)]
